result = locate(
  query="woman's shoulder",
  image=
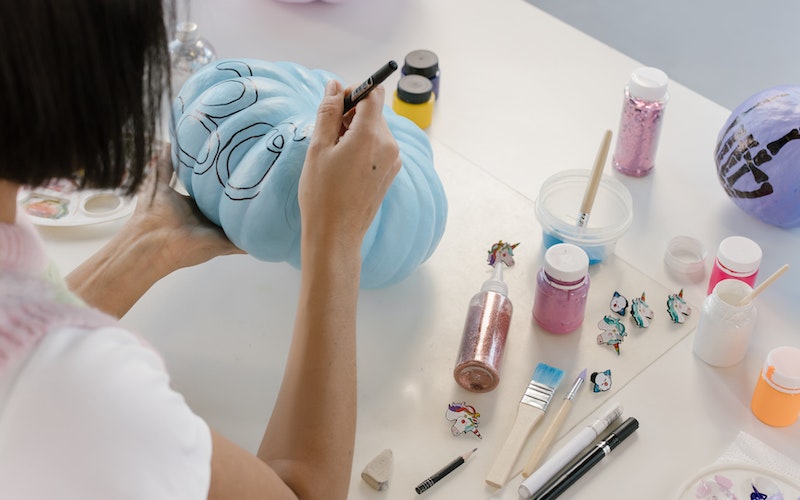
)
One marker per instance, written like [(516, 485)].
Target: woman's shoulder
[(93, 408)]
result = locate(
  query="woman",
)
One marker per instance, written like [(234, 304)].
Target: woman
[(86, 410)]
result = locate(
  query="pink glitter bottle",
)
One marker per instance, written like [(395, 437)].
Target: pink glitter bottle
[(484, 338), (640, 123), (562, 287)]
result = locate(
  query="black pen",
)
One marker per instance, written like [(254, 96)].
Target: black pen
[(572, 473), (447, 469), (365, 88)]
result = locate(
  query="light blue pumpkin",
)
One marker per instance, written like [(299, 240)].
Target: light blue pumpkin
[(240, 131), (758, 156)]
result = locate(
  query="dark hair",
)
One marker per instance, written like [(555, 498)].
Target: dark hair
[(81, 87)]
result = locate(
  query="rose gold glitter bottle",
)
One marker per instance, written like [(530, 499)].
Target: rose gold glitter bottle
[(484, 338)]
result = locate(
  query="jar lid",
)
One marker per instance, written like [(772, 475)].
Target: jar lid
[(782, 369), (648, 83), (414, 89), (421, 62), (566, 262), (686, 258), (739, 254)]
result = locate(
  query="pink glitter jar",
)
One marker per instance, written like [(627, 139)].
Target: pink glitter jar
[(562, 287), (640, 123)]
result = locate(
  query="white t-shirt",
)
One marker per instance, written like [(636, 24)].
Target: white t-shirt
[(91, 415)]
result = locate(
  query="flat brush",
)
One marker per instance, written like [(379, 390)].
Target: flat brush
[(531, 409), (555, 425)]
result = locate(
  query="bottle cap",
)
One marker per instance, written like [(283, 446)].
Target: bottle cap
[(566, 262), (739, 254), (414, 89), (648, 83), (421, 62), (187, 31), (782, 369)]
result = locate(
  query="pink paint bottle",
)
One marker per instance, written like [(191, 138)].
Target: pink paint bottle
[(640, 123), (737, 258), (484, 337), (562, 287)]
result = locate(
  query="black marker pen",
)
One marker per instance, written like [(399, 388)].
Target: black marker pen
[(365, 88), (569, 475)]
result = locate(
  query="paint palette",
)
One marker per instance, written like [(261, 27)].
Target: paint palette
[(740, 481), (61, 203)]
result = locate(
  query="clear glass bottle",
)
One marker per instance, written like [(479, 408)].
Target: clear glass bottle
[(562, 287), (725, 326), (483, 340), (640, 124), (188, 53), (737, 258)]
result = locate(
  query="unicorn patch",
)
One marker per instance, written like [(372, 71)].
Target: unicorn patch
[(612, 332), (677, 308), (641, 313), (503, 252), (464, 418)]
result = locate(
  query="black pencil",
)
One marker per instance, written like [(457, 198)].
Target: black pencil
[(447, 469)]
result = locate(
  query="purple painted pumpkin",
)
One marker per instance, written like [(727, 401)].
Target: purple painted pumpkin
[(758, 156)]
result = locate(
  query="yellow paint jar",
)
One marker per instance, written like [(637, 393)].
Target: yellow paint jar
[(414, 99), (776, 398)]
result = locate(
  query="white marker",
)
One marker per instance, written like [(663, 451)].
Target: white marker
[(569, 451)]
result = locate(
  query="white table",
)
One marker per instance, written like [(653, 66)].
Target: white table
[(522, 97)]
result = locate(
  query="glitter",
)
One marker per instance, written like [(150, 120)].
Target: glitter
[(481, 352), (640, 123)]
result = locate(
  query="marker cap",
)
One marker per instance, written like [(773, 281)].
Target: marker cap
[(626, 428)]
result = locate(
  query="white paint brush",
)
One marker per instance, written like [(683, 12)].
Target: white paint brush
[(531, 409)]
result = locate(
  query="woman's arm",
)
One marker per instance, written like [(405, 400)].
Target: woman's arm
[(166, 232), (349, 166), (308, 443)]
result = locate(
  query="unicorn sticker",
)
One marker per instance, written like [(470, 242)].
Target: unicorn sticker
[(641, 313), (677, 308), (612, 332), (464, 418), (503, 252)]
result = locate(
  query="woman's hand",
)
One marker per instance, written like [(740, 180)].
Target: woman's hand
[(350, 165), (165, 233), (187, 237)]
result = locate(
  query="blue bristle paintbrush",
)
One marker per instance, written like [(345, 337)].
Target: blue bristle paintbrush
[(531, 409)]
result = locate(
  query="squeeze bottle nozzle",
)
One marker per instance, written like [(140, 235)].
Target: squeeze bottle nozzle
[(496, 283)]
